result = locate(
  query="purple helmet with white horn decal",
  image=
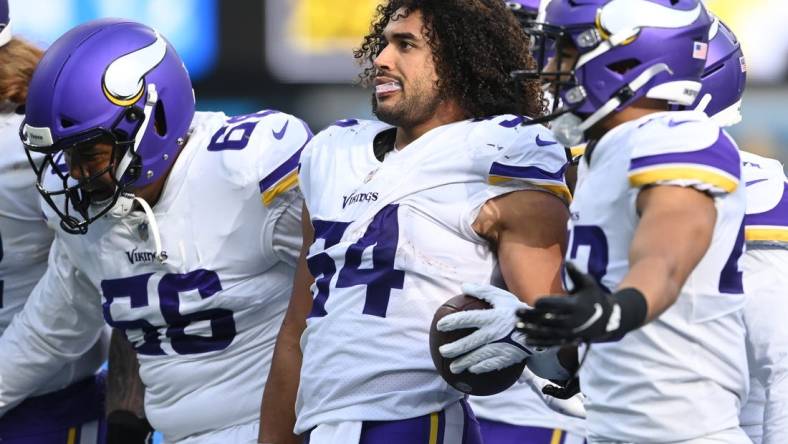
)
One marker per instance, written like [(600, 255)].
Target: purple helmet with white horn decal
[(626, 50), (113, 80), (723, 78)]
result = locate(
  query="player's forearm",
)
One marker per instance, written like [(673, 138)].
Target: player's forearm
[(277, 411), (675, 230), (530, 254), (658, 283), (125, 391)]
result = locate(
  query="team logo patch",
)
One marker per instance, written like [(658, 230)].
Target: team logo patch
[(124, 80)]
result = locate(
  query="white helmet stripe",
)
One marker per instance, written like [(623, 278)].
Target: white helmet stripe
[(123, 78), (618, 15), (5, 34)]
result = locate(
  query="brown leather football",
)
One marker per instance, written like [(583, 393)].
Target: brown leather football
[(479, 385)]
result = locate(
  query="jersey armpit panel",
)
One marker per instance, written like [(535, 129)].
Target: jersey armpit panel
[(683, 149), (262, 148)]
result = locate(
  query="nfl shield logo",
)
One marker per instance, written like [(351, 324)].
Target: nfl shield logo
[(700, 50), (142, 229)]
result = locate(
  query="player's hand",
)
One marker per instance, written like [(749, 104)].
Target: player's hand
[(564, 390), (500, 344), (500, 354), (588, 314), (125, 427), (569, 399)]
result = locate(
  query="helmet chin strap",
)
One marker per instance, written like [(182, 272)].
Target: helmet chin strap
[(128, 157), (704, 103), (569, 129)]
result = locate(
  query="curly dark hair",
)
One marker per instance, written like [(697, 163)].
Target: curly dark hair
[(475, 44)]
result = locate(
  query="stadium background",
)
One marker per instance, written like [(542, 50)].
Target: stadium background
[(295, 55)]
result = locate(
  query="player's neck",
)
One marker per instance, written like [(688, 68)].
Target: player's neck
[(152, 192), (447, 112), (640, 108)]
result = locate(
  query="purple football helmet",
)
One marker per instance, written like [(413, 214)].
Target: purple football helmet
[(5, 23), (626, 50), (525, 10), (723, 78), (107, 80)]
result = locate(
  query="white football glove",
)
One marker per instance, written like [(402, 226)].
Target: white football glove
[(495, 344), (571, 407)]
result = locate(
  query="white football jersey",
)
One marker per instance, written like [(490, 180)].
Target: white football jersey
[(765, 283), (520, 405), (394, 241), (683, 375), (24, 246), (204, 320)]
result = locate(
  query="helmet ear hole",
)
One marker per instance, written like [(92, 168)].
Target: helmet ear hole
[(66, 123), (160, 119), (623, 66), (712, 70)]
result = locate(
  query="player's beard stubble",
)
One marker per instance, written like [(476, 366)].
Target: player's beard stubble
[(409, 107)]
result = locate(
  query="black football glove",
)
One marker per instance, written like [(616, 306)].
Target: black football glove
[(588, 314), (563, 389), (126, 428)]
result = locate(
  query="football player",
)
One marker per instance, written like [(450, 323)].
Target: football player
[(161, 231), (400, 211), (764, 417), (519, 415), (656, 226), (69, 402)]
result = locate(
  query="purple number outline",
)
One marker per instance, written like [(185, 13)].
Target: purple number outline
[(170, 286), (243, 123), (593, 237), (731, 276), (383, 233)]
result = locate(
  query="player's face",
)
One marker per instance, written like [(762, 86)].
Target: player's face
[(406, 91), (563, 62), (90, 164)]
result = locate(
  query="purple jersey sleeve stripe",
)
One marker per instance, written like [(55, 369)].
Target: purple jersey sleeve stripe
[(286, 168), (280, 172), (722, 155), (526, 172), (776, 217)]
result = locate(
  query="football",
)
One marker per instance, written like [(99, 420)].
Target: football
[(479, 385)]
